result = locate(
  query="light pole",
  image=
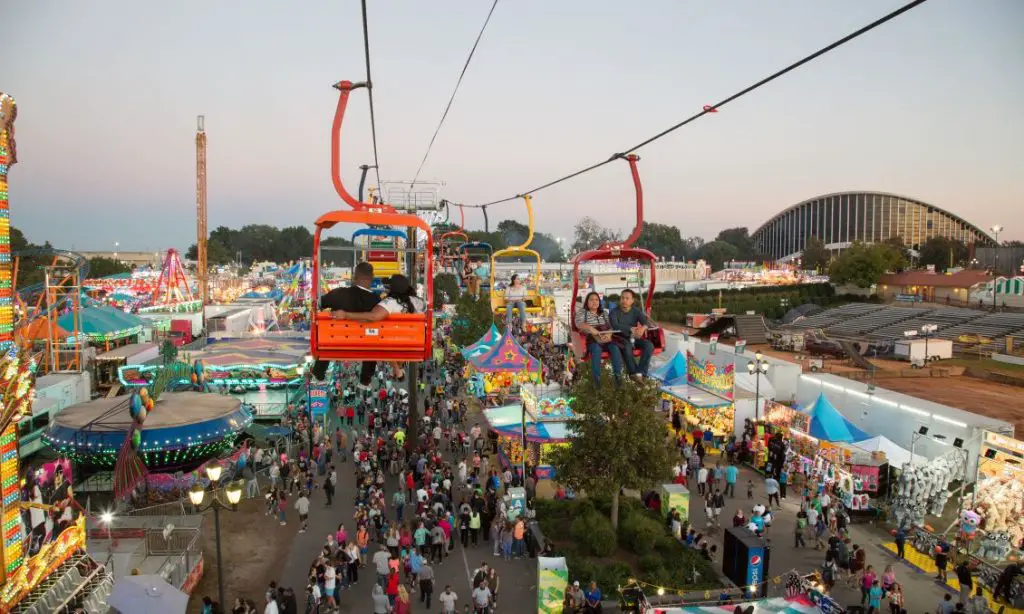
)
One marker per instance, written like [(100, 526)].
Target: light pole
[(927, 330), (756, 368), (233, 494), (995, 263)]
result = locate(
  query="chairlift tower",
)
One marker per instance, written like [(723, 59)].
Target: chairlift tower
[(63, 290)]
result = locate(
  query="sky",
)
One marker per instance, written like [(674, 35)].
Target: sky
[(926, 106)]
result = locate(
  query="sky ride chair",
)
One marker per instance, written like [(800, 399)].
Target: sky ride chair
[(381, 247), (475, 251), (399, 337), (617, 251), (537, 305)]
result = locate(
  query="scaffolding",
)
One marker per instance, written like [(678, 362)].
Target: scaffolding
[(63, 296)]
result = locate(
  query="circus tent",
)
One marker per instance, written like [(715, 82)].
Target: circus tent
[(483, 344), (505, 356)]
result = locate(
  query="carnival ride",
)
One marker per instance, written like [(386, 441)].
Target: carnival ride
[(299, 291), (618, 251), (471, 253), (536, 303), (399, 337), (38, 307), (172, 286)]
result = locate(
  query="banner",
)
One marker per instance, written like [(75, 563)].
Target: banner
[(707, 376), (319, 399), (553, 577)]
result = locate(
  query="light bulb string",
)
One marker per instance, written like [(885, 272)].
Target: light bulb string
[(742, 589)]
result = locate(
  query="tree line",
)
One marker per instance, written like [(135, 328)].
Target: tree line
[(31, 268)]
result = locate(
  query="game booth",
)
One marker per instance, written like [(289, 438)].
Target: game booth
[(826, 447), (702, 396), (998, 498), (539, 424)]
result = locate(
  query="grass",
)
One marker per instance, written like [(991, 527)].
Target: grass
[(668, 563), (984, 364)]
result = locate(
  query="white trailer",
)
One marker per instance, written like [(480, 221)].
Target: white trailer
[(914, 350)]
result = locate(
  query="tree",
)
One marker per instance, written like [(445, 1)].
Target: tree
[(739, 238), (942, 253), (103, 267), (473, 318), (816, 255), (618, 440), (664, 241), (168, 351), (717, 253), (30, 268), (860, 265), (446, 289), (588, 234)]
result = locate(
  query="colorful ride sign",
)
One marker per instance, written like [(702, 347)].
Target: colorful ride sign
[(708, 376)]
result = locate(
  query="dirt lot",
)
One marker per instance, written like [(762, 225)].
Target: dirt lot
[(969, 393), (254, 548)]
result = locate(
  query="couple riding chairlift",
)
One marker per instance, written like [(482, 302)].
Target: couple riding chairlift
[(618, 332)]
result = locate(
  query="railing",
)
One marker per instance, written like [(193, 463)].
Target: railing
[(267, 409), (196, 344), (173, 508), (183, 552)]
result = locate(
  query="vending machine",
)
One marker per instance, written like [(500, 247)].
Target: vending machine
[(745, 560)]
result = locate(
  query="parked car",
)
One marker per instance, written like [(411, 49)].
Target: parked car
[(821, 347)]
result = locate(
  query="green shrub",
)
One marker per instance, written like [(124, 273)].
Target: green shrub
[(594, 533), (639, 532), (650, 563), (612, 575)]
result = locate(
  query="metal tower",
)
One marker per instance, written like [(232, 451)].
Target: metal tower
[(202, 267)]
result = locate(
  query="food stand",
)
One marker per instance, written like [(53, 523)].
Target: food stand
[(704, 398)]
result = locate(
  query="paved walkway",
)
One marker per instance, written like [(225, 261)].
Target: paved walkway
[(922, 592), (517, 578)]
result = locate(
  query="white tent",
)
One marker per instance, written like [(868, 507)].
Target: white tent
[(896, 455)]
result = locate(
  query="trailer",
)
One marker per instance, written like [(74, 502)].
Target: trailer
[(920, 351)]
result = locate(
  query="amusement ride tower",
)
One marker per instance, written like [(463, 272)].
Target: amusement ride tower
[(202, 267)]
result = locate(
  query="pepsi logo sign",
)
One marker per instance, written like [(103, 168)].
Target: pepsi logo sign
[(755, 560)]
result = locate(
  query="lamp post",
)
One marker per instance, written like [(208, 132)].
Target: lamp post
[(233, 494), (756, 368), (927, 330), (995, 263)]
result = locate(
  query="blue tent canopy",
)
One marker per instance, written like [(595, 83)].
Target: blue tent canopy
[(673, 369), (827, 424)]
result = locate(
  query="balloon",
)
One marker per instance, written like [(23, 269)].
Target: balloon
[(136, 439), (150, 403), (142, 415), (144, 392), (134, 404)]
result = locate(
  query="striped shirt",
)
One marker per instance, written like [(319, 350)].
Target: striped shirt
[(597, 320)]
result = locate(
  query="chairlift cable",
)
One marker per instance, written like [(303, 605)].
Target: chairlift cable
[(455, 91), (369, 87), (708, 109)]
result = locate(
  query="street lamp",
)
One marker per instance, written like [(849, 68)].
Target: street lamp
[(756, 368), (995, 263), (233, 494)]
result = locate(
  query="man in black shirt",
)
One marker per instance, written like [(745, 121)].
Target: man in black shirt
[(357, 298)]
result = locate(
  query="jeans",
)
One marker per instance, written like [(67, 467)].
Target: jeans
[(521, 306), (614, 354), (799, 539), (730, 489), (646, 351)]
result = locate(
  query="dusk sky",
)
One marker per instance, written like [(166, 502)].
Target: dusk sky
[(928, 106)]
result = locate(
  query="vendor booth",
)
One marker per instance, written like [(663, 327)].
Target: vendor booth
[(536, 425), (703, 398), (999, 495)]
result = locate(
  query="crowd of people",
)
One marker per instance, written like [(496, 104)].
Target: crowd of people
[(415, 500)]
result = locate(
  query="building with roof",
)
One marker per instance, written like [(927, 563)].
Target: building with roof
[(872, 217), (932, 287)]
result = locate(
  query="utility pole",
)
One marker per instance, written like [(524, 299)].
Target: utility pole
[(412, 434), (202, 267)]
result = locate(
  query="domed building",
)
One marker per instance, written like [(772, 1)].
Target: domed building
[(872, 217)]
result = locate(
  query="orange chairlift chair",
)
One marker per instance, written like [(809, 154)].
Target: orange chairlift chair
[(399, 337), (618, 252)]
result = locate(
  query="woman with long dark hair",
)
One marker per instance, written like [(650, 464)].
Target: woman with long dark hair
[(401, 298), (592, 320)]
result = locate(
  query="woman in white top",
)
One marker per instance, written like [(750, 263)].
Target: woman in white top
[(401, 298), (515, 297)]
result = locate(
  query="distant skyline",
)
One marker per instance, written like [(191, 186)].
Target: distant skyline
[(926, 106)]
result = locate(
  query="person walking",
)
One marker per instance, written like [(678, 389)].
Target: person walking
[(426, 577), (771, 488), (731, 474)]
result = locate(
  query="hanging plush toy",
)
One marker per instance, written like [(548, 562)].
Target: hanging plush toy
[(969, 521)]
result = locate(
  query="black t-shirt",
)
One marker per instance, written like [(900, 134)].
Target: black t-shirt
[(352, 298), (963, 575)]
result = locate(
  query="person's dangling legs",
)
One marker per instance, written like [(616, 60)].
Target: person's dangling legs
[(594, 349), (615, 354), (521, 306)]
